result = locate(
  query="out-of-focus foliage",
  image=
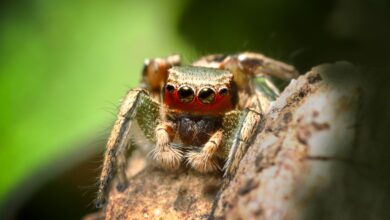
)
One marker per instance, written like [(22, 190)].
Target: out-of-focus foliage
[(64, 66)]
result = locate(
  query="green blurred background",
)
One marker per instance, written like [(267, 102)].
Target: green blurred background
[(64, 65)]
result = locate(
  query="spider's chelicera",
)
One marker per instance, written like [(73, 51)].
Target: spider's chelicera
[(204, 115)]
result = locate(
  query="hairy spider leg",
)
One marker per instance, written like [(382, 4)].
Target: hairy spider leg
[(256, 64), (136, 100), (242, 133), (142, 104)]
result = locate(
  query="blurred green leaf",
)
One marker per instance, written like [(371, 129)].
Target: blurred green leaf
[(64, 65)]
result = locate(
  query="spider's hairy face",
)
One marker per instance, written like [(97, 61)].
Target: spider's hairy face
[(200, 90)]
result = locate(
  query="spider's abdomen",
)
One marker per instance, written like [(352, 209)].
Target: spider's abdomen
[(196, 131)]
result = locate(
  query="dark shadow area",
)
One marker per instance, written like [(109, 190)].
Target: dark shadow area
[(68, 194), (305, 33)]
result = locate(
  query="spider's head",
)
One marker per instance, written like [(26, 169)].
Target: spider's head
[(200, 90)]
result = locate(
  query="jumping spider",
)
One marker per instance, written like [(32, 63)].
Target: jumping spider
[(204, 115)]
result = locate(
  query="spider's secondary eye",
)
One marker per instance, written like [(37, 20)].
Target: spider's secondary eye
[(223, 91), (206, 95), (170, 88), (186, 94)]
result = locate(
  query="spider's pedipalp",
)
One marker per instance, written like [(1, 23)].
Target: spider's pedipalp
[(164, 152), (206, 159)]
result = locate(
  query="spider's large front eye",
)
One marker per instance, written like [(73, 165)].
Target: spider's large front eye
[(186, 94), (206, 95)]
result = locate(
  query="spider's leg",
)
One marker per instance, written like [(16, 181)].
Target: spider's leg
[(256, 64), (155, 71), (119, 139), (206, 160), (121, 156), (242, 128), (213, 60), (255, 92)]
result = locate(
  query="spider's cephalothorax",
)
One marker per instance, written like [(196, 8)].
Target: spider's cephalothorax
[(204, 115), (195, 99)]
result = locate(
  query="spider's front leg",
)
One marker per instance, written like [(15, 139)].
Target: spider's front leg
[(164, 153), (135, 102), (241, 129), (143, 105), (254, 99)]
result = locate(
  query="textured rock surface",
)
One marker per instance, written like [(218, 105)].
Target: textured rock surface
[(157, 194), (307, 140)]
